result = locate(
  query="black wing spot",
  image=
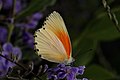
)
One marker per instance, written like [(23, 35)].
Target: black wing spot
[(36, 50), (35, 35), (38, 30), (44, 28), (35, 43), (39, 55), (44, 23)]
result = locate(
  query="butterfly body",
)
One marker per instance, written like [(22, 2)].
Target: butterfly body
[(53, 42)]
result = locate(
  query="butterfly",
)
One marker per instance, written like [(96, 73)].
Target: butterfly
[(52, 41)]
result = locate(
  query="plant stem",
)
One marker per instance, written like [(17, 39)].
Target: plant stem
[(111, 15), (77, 42), (11, 27), (11, 24), (13, 8)]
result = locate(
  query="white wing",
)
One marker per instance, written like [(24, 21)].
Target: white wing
[(53, 40)]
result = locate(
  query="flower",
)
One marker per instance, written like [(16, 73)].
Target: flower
[(31, 21), (45, 68), (18, 6), (64, 72), (10, 52), (3, 35), (84, 79), (0, 4), (8, 4), (3, 68), (28, 39)]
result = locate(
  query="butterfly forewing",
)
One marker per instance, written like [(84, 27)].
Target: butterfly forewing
[(53, 40)]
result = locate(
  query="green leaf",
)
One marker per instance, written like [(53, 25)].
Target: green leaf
[(84, 51), (95, 72), (27, 54), (102, 28), (83, 48), (35, 5)]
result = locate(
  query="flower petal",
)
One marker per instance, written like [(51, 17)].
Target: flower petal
[(81, 70), (3, 34), (70, 76), (61, 75), (37, 16), (7, 47), (17, 53), (84, 79), (75, 69)]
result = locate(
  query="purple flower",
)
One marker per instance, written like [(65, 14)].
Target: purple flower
[(4, 64), (7, 4), (37, 16), (10, 52), (1, 4), (28, 39), (81, 70), (7, 47), (17, 53), (31, 21), (3, 35), (45, 68), (3, 68), (64, 72), (18, 6), (84, 79)]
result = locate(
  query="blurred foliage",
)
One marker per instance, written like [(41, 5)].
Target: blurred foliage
[(38, 5), (95, 72)]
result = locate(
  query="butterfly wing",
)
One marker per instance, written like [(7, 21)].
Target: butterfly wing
[(53, 40)]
